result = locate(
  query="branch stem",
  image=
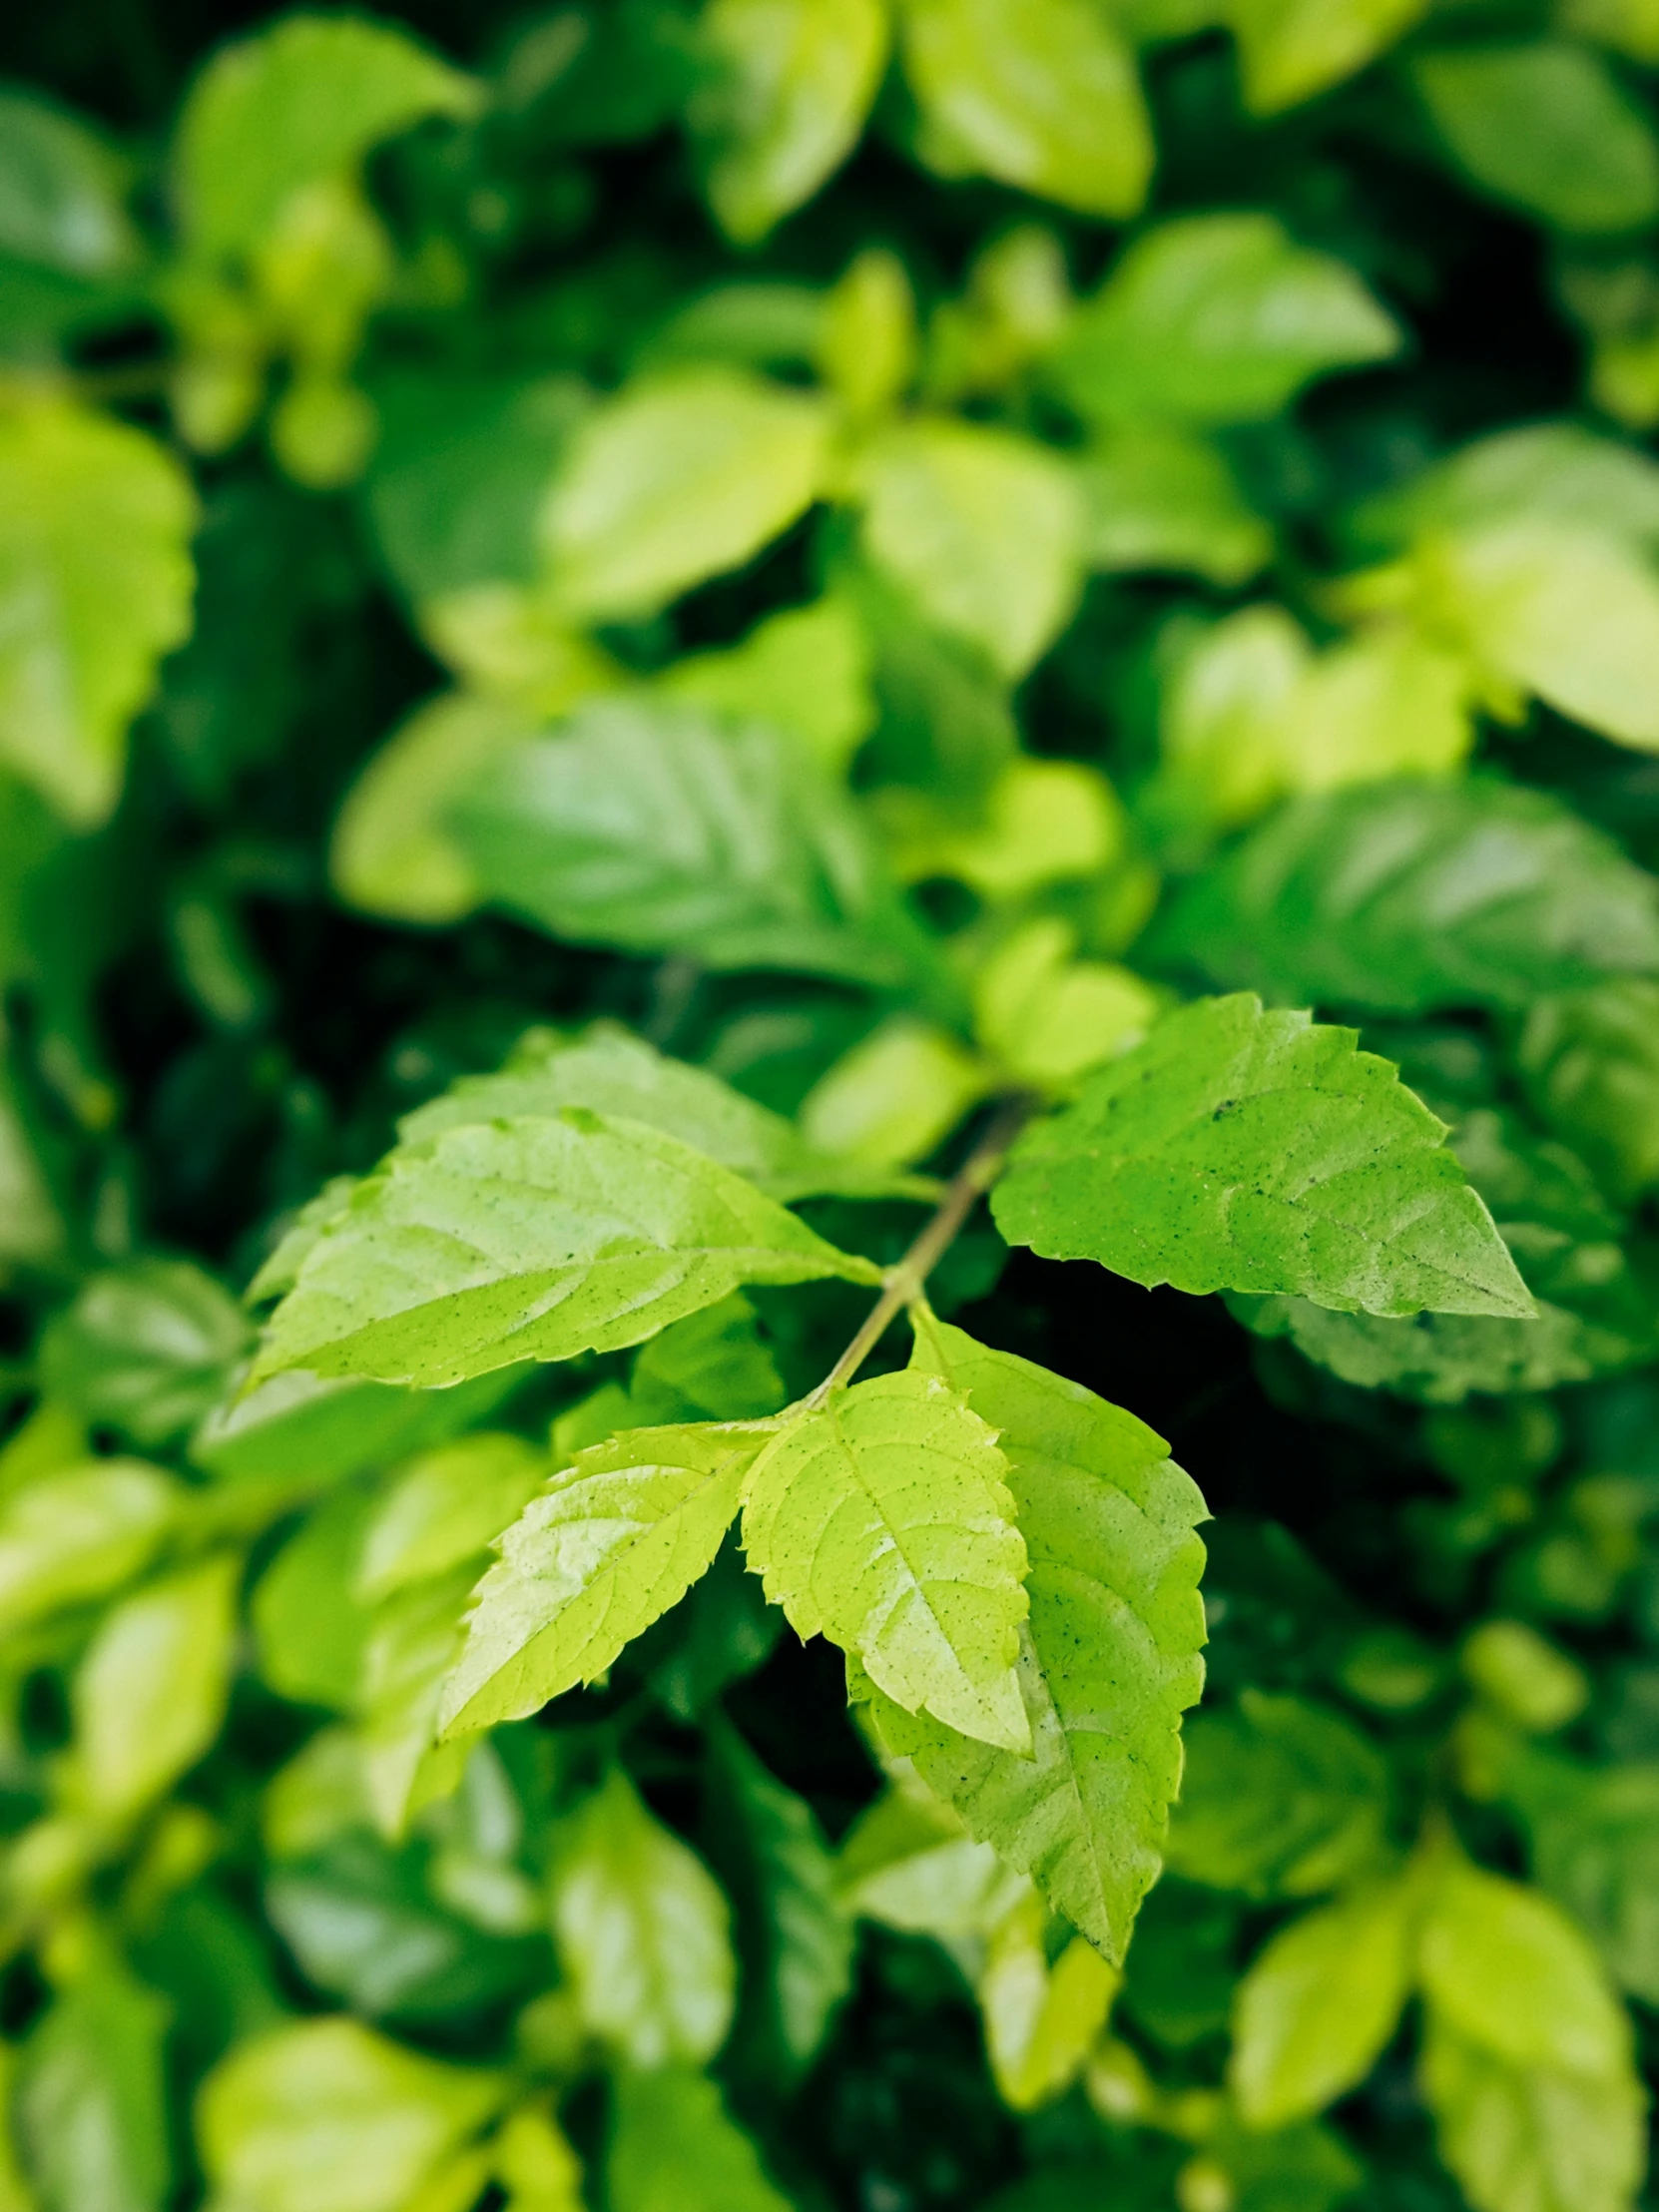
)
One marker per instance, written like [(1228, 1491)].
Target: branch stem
[(905, 1281)]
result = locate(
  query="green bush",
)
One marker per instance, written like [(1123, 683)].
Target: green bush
[(683, 690)]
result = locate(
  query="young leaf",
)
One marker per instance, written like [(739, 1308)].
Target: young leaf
[(91, 2099), (643, 1931), (1159, 497), (444, 1510), (324, 2115), (1281, 1798), (612, 1071), (1041, 2019), (534, 1238), (146, 1347), (1248, 1150), (1416, 897), (674, 2148), (77, 1535), (613, 1541), (791, 88), (1319, 2002), (95, 570), (409, 1645), (1109, 1659), (653, 826), (983, 529), (1290, 50), (1549, 2140), (300, 102), (1043, 97), (674, 480), (1217, 318), (884, 1520)]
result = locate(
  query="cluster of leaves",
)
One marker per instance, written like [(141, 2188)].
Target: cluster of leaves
[(682, 689)]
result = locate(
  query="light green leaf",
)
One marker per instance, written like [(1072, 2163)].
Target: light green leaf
[(653, 826), (78, 1533), (535, 2164), (1109, 1658), (1571, 614), (1595, 1848), (410, 1643), (298, 104), (611, 1543), (909, 1861), (296, 1422), (534, 1238), (1505, 1970), (793, 81), (1289, 50), (96, 579), (677, 478), (882, 1519), (795, 1934), (1527, 2139), (1281, 1798), (1238, 1149), (328, 2117), (149, 1697), (982, 527), (1417, 896), (1545, 472), (610, 1070), (147, 1348), (674, 2148), (806, 669), (91, 2099), (1040, 93), (1319, 2003), (1041, 2019), (1545, 126), (1589, 1061), (1227, 698), (713, 1364), (444, 1510), (896, 1094), (1157, 497), (392, 852), (62, 192), (1217, 318), (308, 1627), (643, 1931)]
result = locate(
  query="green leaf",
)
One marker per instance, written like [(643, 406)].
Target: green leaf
[(91, 2099), (1545, 126), (62, 192), (95, 571), (444, 1510), (882, 1519), (1281, 1798), (1217, 318), (301, 103), (612, 1542), (794, 1935), (1589, 1061), (149, 1697), (534, 1238), (325, 2115), (1259, 1151), (643, 1931), (1506, 1970), (982, 527), (712, 1364), (331, 1429), (1319, 2004), (1157, 497), (678, 477), (674, 2148), (147, 1349), (908, 1863), (411, 1642), (77, 1534), (806, 669), (1528, 2136), (1043, 96), (308, 1627), (1041, 2019), (459, 472), (1545, 472), (789, 88), (1416, 897), (611, 1071), (652, 826), (1289, 50), (1109, 1658)]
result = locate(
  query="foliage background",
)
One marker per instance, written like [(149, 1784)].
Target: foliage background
[(1119, 554)]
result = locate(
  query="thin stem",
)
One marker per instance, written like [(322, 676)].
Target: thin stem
[(905, 1281)]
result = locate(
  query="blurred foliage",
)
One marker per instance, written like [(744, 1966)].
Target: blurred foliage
[(624, 631)]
